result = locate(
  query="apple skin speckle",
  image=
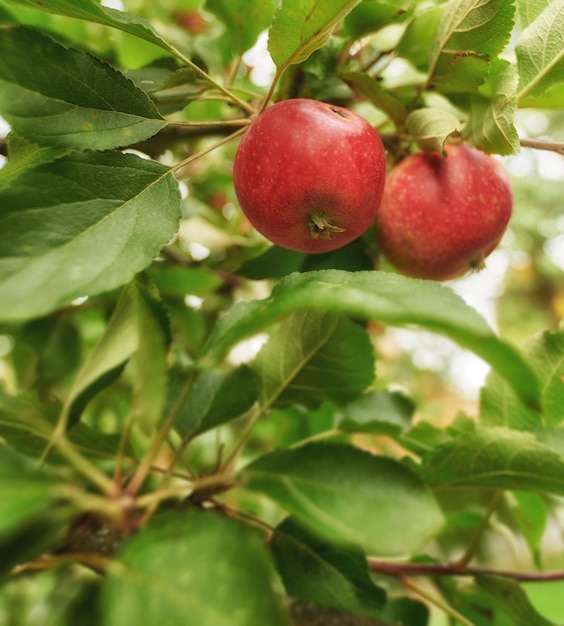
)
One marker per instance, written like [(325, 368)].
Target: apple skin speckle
[(303, 157), (442, 216)]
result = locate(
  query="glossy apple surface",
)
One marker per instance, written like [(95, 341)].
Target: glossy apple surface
[(442, 216), (309, 176)]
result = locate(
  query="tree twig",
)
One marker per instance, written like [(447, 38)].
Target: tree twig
[(399, 570), (539, 144)]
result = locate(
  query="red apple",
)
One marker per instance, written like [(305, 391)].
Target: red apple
[(441, 216), (309, 175)]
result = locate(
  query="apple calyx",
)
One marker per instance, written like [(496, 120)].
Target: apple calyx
[(320, 226)]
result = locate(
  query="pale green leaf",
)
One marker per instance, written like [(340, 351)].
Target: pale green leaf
[(468, 35), (430, 127), (529, 10), (512, 597), (491, 111), (302, 26), (314, 356), (47, 95), (419, 37), (244, 19), (496, 457), (500, 406), (84, 224), (318, 572), (93, 11), (540, 52), (192, 567), (386, 297), (349, 496)]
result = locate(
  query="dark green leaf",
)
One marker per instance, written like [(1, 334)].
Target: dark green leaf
[(386, 297), (82, 225), (314, 356), (540, 52), (302, 26), (217, 397), (47, 95), (244, 19), (274, 263), (500, 406), (511, 596), (320, 573), (496, 457), (192, 567), (349, 496)]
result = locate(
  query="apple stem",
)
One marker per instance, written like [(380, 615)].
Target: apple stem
[(320, 226)]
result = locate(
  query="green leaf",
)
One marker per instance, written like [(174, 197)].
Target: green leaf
[(192, 567), (540, 52), (377, 412), (84, 224), (419, 37), (23, 155), (108, 358), (245, 20), (530, 514), (217, 397), (430, 127), (318, 572), (369, 17), (92, 11), (302, 26), (150, 391), (46, 95), (386, 297), (381, 98), (529, 10), (180, 281), (314, 356), (511, 596), (499, 405), (25, 492), (27, 425), (468, 35), (496, 457), (491, 111), (349, 496)]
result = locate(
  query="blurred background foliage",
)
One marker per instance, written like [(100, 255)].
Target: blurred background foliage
[(217, 259)]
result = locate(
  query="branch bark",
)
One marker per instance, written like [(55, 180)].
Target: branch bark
[(400, 570)]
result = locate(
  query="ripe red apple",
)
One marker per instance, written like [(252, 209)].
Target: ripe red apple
[(441, 216), (309, 175)]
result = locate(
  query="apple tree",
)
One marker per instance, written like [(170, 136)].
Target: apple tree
[(200, 426)]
